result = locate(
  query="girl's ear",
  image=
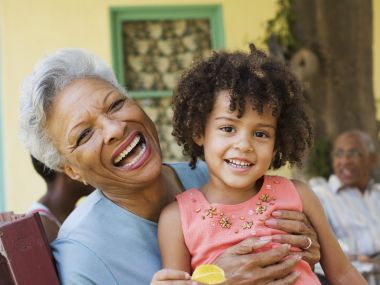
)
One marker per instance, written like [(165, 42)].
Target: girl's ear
[(274, 154), (275, 151), (199, 140)]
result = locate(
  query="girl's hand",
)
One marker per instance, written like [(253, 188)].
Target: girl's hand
[(172, 277), (300, 231), (242, 266)]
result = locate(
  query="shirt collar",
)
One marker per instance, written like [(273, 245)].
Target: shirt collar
[(336, 185)]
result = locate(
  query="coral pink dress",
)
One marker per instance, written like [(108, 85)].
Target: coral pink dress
[(209, 229)]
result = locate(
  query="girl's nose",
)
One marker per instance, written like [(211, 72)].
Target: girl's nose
[(113, 129), (244, 145)]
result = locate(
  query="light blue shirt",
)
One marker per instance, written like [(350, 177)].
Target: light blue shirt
[(102, 243), (353, 216)]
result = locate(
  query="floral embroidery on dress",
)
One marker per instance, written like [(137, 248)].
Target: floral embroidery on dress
[(264, 202)]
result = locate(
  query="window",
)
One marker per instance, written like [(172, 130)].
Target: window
[(152, 46)]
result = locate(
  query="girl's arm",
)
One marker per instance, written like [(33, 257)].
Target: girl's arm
[(174, 252), (240, 263), (338, 269)]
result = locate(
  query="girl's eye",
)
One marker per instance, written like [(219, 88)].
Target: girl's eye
[(260, 134), (116, 105), (83, 136), (227, 129)]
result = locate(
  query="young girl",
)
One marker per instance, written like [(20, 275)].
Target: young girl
[(243, 114)]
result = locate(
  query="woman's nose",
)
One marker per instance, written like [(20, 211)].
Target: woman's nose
[(113, 129)]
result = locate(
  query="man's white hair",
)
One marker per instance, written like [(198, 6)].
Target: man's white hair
[(364, 137)]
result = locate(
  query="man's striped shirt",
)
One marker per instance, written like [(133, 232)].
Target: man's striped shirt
[(353, 216)]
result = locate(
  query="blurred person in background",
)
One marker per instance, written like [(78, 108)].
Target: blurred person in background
[(351, 196), (62, 194)]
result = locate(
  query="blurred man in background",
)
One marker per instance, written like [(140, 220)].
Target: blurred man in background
[(351, 197)]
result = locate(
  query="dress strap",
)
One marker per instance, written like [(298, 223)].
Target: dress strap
[(48, 214)]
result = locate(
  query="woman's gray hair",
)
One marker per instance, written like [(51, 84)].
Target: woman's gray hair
[(51, 75)]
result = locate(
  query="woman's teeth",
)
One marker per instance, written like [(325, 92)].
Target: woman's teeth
[(125, 152), (143, 147), (238, 163)]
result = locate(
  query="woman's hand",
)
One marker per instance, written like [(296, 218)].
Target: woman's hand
[(300, 233), (243, 266), (171, 277)]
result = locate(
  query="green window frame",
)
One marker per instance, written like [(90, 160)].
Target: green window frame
[(118, 15)]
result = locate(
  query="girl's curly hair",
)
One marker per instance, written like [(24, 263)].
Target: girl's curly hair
[(253, 78)]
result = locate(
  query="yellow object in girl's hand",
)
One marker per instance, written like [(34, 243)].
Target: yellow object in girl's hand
[(208, 274)]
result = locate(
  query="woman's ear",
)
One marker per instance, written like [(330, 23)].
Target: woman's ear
[(71, 173)]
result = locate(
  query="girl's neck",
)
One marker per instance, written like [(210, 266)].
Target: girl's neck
[(215, 193), (149, 201)]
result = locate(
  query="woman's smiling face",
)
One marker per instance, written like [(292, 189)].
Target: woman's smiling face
[(105, 137)]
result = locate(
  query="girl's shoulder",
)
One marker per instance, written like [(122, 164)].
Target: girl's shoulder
[(310, 201), (275, 181), (282, 181)]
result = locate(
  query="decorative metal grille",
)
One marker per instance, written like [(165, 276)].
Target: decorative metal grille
[(155, 54)]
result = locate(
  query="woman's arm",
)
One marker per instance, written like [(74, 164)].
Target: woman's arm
[(243, 266), (338, 269), (299, 229)]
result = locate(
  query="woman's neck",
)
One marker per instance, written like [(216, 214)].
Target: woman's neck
[(149, 201)]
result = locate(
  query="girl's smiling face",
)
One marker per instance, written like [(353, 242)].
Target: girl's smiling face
[(238, 151), (105, 137)]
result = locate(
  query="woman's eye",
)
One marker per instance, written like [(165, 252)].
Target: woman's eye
[(227, 129), (116, 105), (83, 137)]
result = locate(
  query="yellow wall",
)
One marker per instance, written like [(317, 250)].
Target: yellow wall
[(33, 28), (30, 29)]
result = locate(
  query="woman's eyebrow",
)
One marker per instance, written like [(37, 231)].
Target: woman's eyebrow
[(107, 95), (104, 102)]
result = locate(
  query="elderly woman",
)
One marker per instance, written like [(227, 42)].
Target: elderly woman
[(77, 119)]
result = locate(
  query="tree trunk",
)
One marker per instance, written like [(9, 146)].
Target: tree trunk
[(340, 90)]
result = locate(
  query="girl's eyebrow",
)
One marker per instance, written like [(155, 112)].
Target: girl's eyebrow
[(233, 119), (226, 118)]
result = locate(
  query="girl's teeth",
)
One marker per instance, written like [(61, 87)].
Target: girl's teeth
[(238, 163), (125, 152)]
